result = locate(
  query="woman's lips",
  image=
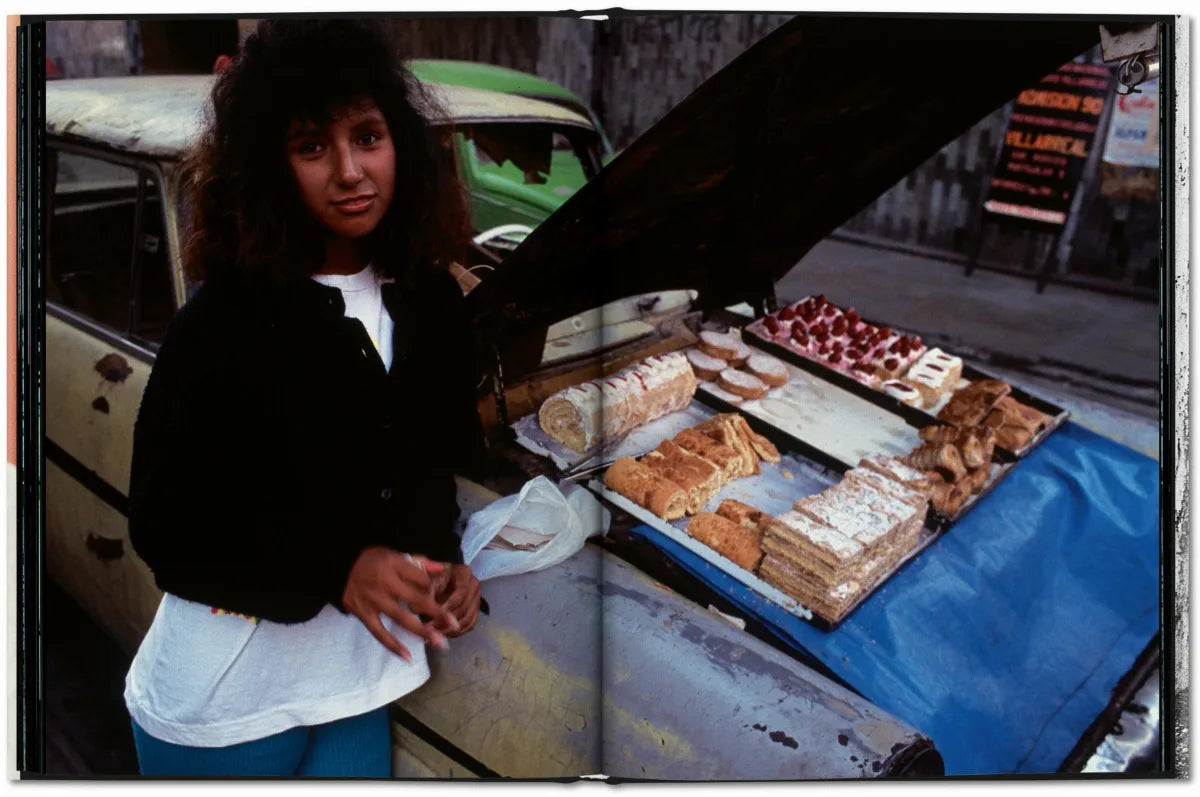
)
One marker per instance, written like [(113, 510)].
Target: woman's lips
[(355, 205)]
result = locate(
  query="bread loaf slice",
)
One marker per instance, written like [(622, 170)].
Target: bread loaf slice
[(763, 447), (722, 429), (733, 541), (641, 485), (744, 515), (699, 477), (721, 455)]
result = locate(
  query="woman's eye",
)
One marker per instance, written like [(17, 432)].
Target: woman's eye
[(368, 139), (308, 148)]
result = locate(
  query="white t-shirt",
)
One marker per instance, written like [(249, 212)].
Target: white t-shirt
[(204, 677)]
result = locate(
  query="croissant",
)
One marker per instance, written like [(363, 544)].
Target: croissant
[(977, 478), (937, 456), (948, 498), (939, 434), (974, 443), (972, 450)]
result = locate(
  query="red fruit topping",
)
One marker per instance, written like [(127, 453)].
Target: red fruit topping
[(771, 324), (886, 331), (787, 314), (803, 340), (797, 331), (895, 347), (852, 314), (853, 354), (891, 363), (829, 310), (864, 366), (819, 329), (823, 348), (822, 337), (836, 357), (916, 341), (839, 326), (820, 300), (838, 346)]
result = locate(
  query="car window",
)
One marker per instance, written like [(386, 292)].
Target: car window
[(105, 260), (565, 176)]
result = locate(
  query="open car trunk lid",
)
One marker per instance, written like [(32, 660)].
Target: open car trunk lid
[(730, 189)]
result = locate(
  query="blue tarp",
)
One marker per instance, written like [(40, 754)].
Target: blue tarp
[(1002, 641)]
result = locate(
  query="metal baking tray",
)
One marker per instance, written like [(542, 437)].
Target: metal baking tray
[(803, 470), (774, 493), (915, 415), (840, 428)]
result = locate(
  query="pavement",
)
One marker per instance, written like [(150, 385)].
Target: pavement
[(1096, 354)]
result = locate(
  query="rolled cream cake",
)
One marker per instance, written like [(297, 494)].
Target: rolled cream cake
[(584, 415)]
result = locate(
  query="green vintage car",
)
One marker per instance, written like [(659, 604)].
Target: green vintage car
[(508, 81), (509, 198)]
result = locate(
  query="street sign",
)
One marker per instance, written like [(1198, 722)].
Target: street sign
[(1049, 137)]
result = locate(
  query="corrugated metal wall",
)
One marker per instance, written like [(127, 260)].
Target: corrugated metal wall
[(633, 69)]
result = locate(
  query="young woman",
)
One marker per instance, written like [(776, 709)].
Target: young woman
[(292, 479)]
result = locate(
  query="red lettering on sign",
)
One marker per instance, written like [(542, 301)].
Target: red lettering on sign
[(1132, 103)]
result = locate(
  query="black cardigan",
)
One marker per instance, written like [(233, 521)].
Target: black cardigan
[(271, 446)]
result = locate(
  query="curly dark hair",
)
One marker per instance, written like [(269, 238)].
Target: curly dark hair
[(244, 209)]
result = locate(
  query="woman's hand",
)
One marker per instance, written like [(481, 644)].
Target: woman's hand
[(384, 582), (457, 590)]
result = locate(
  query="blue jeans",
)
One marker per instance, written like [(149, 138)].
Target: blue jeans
[(354, 747)]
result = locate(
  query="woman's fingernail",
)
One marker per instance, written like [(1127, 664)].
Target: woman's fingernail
[(454, 622), (439, 641)]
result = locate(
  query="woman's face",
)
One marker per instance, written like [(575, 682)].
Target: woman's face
[(345, 170)]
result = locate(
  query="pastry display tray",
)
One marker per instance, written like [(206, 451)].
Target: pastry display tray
[(836, 428), (774, 491), (916, 416)]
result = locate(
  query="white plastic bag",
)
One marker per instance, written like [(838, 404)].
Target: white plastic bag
[(539, 512)]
